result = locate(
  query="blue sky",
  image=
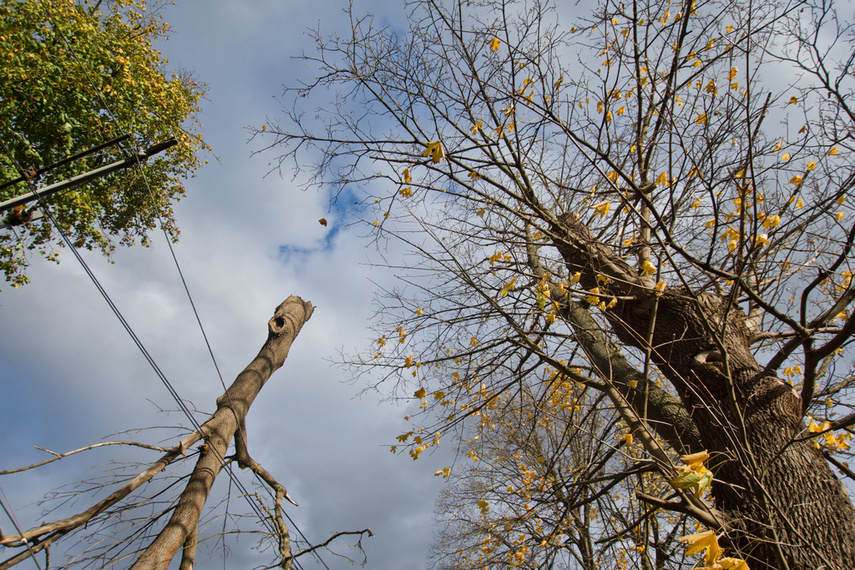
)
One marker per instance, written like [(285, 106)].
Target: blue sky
[(72, 376)]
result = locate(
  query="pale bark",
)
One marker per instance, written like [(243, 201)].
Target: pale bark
[(219, 430), (227, 421)]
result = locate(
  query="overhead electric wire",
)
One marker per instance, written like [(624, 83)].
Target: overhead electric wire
[(124, 322)]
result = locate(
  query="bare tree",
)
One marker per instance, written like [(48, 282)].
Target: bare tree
[(139, 535), (655, 202)]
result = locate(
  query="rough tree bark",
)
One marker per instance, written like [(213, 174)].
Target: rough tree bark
[(785, 508)]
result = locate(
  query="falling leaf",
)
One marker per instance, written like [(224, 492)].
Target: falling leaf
[(323, 221)]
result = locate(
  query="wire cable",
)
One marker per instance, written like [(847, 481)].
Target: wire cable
[(121, 318)]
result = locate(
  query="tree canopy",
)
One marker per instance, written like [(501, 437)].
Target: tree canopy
[(628, 294), (75, 75)]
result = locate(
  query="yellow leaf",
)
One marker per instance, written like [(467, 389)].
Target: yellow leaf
[(420, 393), (660, 286), (785, 157), (627, 438), (473, 341), (407, 177), (701, 119), (648, 268), (593, 298), (733, 564), (793, 100), (445, 472), (712, 88), (419, 312), (839, 216), (434, 149), (495, 44), (700, 542), (778, 146), (323, 221), (832, 152), (771, 221), (507, 287), (841, 200), (811, 166), (601, 208), (695, 458), (476, 127), (576, 277), (406, 192), (797, 180), (733, 70), (409, 361)]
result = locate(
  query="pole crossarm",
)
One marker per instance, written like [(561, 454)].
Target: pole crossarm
[(130, 160)]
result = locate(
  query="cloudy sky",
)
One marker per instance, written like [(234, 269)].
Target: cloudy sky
[(71, 375)]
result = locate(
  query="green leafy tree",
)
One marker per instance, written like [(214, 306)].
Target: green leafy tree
[(654, 201), (74, 75)]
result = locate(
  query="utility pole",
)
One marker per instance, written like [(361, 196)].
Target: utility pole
[(34, 214)]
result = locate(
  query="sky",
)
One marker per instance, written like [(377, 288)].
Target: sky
[(72, 376)]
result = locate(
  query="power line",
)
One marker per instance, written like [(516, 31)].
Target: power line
[(122, 320)]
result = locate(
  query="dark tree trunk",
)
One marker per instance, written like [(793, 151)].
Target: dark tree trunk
[(785, 507)]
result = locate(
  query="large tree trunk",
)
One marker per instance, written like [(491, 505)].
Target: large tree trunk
[(785, 507), (232, 408)]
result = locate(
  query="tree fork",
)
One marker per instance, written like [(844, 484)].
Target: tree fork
[(232, 407), (749, 420)]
